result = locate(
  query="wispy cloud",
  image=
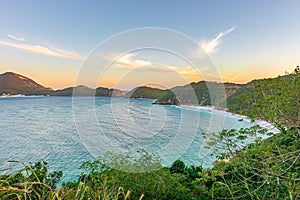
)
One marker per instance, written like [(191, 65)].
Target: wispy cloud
[(42, 50), (16, 37), (211, 46), (125, 61), (128, 62)]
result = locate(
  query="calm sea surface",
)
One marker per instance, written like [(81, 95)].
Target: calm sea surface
[(66, 132)]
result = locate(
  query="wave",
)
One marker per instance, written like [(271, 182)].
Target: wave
[(262, 123), (19, 95)]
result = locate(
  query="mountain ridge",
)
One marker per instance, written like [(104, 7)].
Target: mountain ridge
[(204, 93), (13, 83)]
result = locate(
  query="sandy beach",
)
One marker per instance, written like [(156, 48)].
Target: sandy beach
[(213, 109)]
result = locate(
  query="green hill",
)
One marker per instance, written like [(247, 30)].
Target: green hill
[(273, 99), (13, 84), (86, 91), (200, 93), (146, 92), (264, 169)]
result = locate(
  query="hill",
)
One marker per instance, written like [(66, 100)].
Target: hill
[(146, 92), (80, 91), (200, 93), (276, 97), (12, 83), (86, 91), (267, 168), (221, 95)]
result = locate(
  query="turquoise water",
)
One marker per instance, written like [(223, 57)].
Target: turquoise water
[(66, 132)]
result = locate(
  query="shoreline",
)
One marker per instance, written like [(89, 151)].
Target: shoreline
[(20, 95), (212, 109)]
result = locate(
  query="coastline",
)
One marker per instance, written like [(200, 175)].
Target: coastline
[(20, 95), (262, 123)]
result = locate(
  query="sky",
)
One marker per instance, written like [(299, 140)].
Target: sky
[(51, 41)]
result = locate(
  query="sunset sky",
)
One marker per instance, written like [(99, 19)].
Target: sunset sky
[(49, 41)]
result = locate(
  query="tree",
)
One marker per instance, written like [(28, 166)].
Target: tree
[(178, 167)]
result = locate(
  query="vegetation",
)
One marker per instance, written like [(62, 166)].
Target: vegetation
[(30, 182), (13, 84), (86, 91), (276, 100), (200, 93), (146, 92), (264, 169)]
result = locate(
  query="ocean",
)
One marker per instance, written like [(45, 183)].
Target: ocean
[(66, 131)]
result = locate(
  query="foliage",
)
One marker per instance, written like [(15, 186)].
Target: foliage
[(30, 182), (178, 167), (251, 163), (276, 100), (228, 143), (201, 93), (146, 92), (268, 169)]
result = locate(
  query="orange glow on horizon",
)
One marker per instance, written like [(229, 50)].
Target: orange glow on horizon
[(116, 81)]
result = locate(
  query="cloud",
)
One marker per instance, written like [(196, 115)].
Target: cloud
[(211, 46), (185, 71), (16, 37), (43, 50), (128, 62), (125, 61)]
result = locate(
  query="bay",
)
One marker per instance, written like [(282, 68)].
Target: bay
[(66, 131)]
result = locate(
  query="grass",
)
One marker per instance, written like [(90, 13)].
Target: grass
[(265, 169)]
